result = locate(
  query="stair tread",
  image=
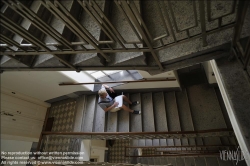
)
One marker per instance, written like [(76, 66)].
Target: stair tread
[(123, 119), (156, 142), (120, 23), (83, 59), (136, 120), (184, 111), (99, 122), (57, 24), (156, 27), (172, 117), (93, 60), (112, 121), (89, 113), (147, 115), (26, 24), (10, 62), (50, 60), (80, 111), (172, 112), (160, 112)]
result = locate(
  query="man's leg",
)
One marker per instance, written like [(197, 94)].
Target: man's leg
[(126, 108), (126, 99), (129, 110), (129, 102)]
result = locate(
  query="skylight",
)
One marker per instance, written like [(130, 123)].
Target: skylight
[(102, 73)]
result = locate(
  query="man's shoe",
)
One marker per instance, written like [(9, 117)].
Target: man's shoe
[(135, 103), (136, 112)]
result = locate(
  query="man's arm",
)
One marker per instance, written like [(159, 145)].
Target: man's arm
[(111, 89), (112, 106)]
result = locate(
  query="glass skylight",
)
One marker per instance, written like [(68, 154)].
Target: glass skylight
[(102, 73)]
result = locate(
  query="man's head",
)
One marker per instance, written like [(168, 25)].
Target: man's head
[(102, 93)]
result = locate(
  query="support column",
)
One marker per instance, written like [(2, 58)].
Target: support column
[(235, 89)]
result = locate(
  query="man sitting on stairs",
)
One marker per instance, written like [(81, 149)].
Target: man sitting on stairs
[(107, 103)]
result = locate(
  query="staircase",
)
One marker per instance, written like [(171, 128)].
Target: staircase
[(81, 34), (196, 107)]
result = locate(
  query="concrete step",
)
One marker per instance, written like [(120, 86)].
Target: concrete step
[(172, 117), (126, 59), (123, 119), (186, 120), (48, 60), (160, 117), (156, 27), (88, 22), (80, 113), (9, 62), (112, 121), (39, 10), (89, 113), (126, 34), (156, 142), (135, 120), (23, 61), (206, 112), (147, 115), (159, 112), (99, 121)]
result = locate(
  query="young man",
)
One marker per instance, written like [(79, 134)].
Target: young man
[(107, 103)]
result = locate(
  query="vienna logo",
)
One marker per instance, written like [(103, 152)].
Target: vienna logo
[(235, 155)]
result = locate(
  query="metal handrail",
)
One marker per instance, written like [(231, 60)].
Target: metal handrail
[(112, 82)]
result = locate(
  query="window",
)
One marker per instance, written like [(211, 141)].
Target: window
[(102, 73)]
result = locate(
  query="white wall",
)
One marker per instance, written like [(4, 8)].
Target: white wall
[(209, 72), (161, 84), (15, 146), (98, 148), (93, 149), (25, 115), (43, 85)]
